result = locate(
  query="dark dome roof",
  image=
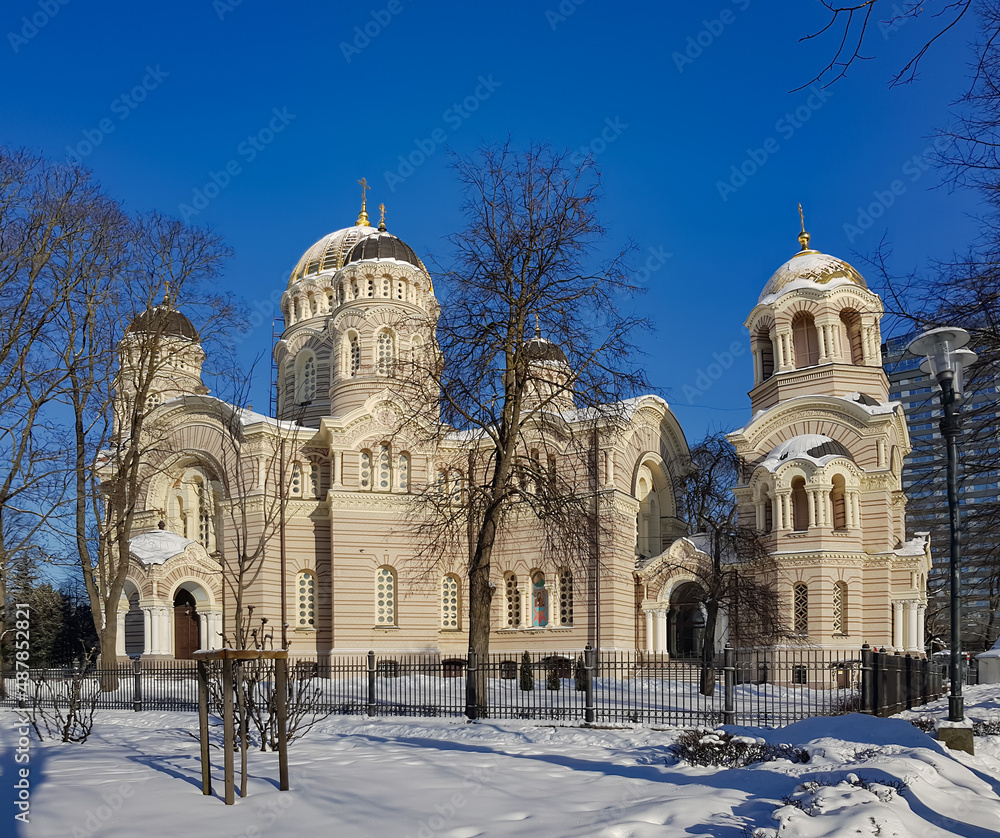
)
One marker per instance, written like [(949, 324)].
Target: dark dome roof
[(540, 349), (378, 246), (829, 448), (166, 322)]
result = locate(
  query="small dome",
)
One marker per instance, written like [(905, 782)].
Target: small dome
[(163, 321), (329, 252), (811, 268), (816, 447), (381, 246), (540, 349)]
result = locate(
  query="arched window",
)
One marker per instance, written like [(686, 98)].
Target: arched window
[(565, 596), (295, 481), (400, 290), (305, 605), (800, 608), (765, 349), (152, 401), (853, 343), (648, 540), (204, 514), (403, 472), (840, 608), (838, 500), (539, 600), (800, 505), (385, 353), (805, 340), (385, 596), (365, 471), (513, 600), (331, 299), (768, 511), (305, 377), (449, 602), (384, 483), (353, 355), (314, 479), (370, 285), (386, 287)]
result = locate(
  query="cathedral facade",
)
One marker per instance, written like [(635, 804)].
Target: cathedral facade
[(304, 521)]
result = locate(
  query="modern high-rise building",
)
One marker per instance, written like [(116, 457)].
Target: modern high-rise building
[(924, 481)]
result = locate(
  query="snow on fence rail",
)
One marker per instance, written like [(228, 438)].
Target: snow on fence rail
[(767, 688)]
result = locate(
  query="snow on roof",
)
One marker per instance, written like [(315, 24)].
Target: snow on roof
[(991, 653), (915, 546), (158, 546), (815, 448)]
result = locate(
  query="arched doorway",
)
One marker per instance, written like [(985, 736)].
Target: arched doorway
[(186, 637), (135, 629), (686, 622)]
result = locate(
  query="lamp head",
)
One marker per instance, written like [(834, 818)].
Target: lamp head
[(945, 356)]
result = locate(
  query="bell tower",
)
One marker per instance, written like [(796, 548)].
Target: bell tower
[(825, 450)]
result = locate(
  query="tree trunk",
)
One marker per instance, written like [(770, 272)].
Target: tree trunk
[(480, 606), (108, 661), (707, 679)]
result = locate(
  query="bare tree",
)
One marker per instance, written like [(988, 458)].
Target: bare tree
[(852, 25), (738, 576), (114, 442), (532, 259)]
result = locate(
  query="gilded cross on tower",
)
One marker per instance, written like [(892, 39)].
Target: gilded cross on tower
[(381, 221), (363, 215), (803, 236)]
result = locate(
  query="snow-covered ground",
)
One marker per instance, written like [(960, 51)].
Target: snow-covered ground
[(139, 775)]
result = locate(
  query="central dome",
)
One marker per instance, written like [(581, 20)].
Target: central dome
[(163, 321), (329, 252), (810, 267)]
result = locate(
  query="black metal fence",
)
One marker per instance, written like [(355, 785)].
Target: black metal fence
[(759, 687)]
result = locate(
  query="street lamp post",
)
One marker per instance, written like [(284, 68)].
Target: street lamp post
[(945, 361)]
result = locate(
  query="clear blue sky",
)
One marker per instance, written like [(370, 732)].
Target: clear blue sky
[(668, 96)]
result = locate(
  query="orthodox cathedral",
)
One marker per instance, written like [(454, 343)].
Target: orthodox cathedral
[(307, 516)]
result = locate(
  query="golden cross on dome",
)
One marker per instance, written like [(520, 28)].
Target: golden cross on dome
[(166, 293), (803, 236), (363, 215), (381, 221), (538, 328)]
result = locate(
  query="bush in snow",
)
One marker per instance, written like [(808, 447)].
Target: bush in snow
[(701, 746)]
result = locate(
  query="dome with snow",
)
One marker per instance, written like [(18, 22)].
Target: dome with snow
[(816, 448), (540, 349), (329, 253), (381, 246), (164, 321), (810, 268)]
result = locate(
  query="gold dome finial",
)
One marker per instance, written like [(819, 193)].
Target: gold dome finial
[(538, 328), (166, 294), (363, 215), (803, 236), (381, 221)]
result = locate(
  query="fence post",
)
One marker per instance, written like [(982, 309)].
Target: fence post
[(371, 683), (867, 693), (589, 665), (137, 683), (471, 699), (729, 682), (908, 666)]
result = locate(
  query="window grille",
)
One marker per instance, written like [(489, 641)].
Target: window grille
[(449, 602), (513, 602), (385, 593), (800, 610), (306, 588)]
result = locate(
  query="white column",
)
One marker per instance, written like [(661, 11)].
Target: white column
[(526, 607), (921, 629), (897, 634), (202, 630), (336, 467), (649, 630), (661, 630), (912, 643), (147, 629), (120, 643)]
